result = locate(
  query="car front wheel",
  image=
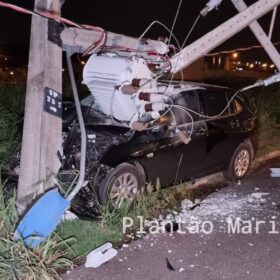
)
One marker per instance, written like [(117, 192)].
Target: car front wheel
[(121, 184), (240, 162)]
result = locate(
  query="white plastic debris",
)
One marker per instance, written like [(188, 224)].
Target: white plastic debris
[(263, 201), (251, 200), (259, 195), (69, 216), (275, 172), (100, 255), (197, 201), (186, 203)]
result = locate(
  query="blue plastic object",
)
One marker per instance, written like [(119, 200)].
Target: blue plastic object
[(42, 219)]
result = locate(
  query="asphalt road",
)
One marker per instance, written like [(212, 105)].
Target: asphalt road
[(218, 255)]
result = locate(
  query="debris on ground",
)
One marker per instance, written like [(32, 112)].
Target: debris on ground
[(217, 206), (169, 265), (69, 216), (100, 255), (258, 198), (172, 227), (275, 172)]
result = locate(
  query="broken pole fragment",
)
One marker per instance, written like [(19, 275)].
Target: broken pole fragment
[(82, 39), (42, 133)]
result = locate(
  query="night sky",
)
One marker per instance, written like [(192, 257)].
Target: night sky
[(132, 18)]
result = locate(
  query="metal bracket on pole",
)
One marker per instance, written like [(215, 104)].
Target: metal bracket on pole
[(264, 40), (212, 4)]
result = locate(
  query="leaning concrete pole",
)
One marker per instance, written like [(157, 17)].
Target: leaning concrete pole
[(42, 121)]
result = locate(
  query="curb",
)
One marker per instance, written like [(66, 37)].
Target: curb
[(258, 161), (219, 177)]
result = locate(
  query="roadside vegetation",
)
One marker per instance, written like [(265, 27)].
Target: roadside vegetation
[(109, 228), (74, 239), (268, 104), (11, 112)]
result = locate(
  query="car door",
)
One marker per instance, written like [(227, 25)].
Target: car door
[(173, 160), (223, 128), (194, 153)]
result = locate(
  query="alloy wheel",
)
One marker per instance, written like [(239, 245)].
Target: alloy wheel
[(124, 187), (242, 163)]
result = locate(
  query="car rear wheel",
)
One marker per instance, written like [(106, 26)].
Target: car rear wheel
[(240, 162), (120, 185)]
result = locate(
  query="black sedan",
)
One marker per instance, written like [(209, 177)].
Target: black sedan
[(207, 129)]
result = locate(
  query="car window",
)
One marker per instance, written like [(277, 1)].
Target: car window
[(186, 100), (249, 100), (214, 101)]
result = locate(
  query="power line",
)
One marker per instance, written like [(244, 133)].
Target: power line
[(240, 49)]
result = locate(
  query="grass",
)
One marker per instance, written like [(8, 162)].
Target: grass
[(269, 140), (12, 98), (109, 229), (267, 101), (11, 112), (8, 130)]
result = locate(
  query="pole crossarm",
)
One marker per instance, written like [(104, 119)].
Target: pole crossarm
[(81, 39)]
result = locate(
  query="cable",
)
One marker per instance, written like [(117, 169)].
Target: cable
[(192, 122), (165, 27), (177, 42), (174, 22), (215, 116), (162, 115), (190, 32), (44, 14), (57, 18), (173, 116), (80, 182), (240, 49)]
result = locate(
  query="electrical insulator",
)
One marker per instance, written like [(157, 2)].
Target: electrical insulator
[(151, 97), (155, 107)]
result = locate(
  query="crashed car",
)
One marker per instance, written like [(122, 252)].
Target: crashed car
[(141, 129), (120, 160)]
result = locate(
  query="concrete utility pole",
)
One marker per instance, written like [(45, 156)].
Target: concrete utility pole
[(42, 131), (216, 37), (265, 41)]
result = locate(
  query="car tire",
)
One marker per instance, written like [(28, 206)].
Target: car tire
[(120, 184), (240, 162)]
